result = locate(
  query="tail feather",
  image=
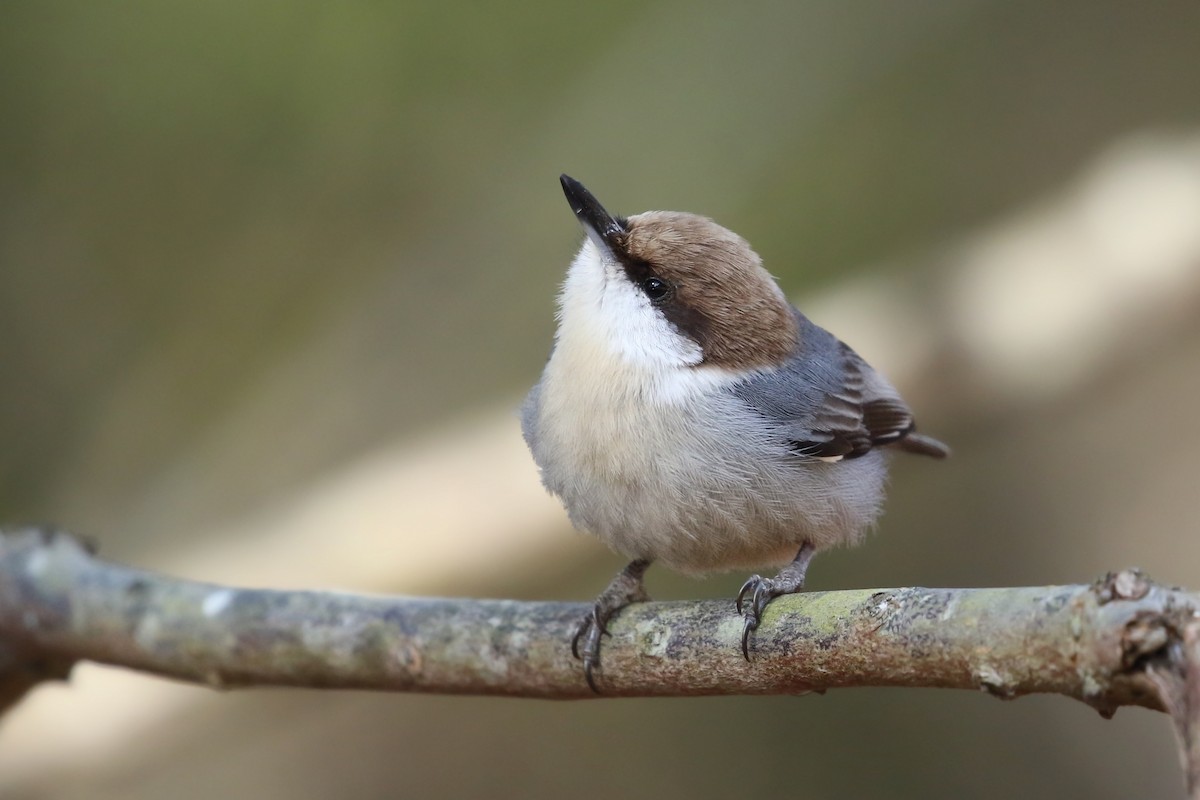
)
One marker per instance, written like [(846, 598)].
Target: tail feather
[(923, 445)]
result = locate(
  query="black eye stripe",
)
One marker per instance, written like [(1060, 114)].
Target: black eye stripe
[(637, 270), (642, 275)]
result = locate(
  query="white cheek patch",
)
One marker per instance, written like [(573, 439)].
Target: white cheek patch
[(638, 332), (601, 305)]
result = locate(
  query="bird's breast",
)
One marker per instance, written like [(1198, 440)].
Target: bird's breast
[(674, 467), (608, 419)]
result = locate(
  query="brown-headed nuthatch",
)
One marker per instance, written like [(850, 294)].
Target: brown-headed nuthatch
[(688, 414)]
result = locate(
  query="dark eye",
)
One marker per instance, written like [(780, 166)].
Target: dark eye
[(656, 289)]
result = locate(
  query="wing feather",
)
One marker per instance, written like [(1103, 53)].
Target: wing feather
[(832, 405)]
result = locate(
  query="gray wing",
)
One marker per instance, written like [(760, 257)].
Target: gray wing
[(830, 404)]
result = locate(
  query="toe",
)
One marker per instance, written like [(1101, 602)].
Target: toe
[(590, 655), (749, 586), (763, 594)]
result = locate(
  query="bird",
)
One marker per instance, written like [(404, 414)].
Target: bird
[(689, 415)]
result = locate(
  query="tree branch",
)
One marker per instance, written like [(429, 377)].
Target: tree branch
[(1121, 641)]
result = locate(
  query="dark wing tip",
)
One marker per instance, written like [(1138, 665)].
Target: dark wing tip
[(832, 445)]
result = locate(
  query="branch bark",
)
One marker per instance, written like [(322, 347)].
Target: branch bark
[(1120, 641)]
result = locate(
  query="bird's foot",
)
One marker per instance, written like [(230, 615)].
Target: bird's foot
[(761, 591), (625, 588)]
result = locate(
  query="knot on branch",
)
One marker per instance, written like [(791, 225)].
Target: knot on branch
[(1127, 584), (1162, 643)]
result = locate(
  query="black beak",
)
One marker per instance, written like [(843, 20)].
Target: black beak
[(601, 227)]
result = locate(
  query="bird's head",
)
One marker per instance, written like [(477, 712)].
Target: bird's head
[(672, 289)]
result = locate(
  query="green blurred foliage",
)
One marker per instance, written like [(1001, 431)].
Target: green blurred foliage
[(190, 192)]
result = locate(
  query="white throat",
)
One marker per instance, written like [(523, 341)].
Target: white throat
[(600, 308), (611, 342)]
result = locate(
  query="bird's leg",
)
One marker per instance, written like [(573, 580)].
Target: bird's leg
[(762, 590), (625, 588)]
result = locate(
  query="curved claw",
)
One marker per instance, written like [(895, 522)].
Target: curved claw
[(588, 665), (750, 583), (750, 627)]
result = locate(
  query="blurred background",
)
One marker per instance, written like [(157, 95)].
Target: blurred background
[(275, 276)]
